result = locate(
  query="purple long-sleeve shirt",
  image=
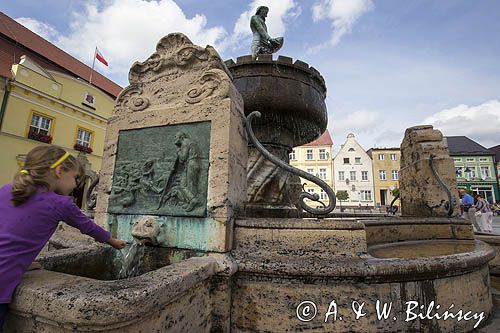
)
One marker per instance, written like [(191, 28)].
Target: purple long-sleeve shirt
[(26, 228)]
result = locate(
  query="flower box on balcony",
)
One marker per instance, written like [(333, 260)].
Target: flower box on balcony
[(40, 137), (82, 148)]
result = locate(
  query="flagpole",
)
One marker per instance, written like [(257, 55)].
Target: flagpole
[(93, 63)]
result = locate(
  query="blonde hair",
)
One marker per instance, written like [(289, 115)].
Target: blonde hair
[(36, 169)]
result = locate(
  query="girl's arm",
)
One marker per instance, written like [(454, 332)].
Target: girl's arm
[(73, 216)]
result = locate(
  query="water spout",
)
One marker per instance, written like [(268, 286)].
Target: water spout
[(146, 230)]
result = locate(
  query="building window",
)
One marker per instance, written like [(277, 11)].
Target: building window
[(40, 128), (346, 160), (292, 155), (470, 172), (469, 159), (83, 137), (357, 160), (309, 154), (394, 157), (486, 191), (322, 173), (40, 124), (322, 154), (366, 195), (459, 172), (381, 157), (352, 175), (310, 190), (381, 175), (485, 172), (351, 149), (341, 175), (83, 141), (364, 175), (310, 171), (456, 159), (482, 159), (394, 174), (322, 195)]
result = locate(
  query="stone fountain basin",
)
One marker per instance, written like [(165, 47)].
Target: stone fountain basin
[(52, 301), (282, 263), (290, 95)]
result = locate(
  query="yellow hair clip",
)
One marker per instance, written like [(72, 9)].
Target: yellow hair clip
[(24, 171), (59, 161)]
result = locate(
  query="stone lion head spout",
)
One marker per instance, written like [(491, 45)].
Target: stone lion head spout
[(146, 230)]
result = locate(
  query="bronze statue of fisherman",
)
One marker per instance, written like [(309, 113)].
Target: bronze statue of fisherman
[(262, 43)]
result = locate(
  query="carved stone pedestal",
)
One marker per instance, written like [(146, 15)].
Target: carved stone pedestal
[(421, 192)]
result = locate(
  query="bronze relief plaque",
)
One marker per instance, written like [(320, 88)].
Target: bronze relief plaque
[(162, 171)]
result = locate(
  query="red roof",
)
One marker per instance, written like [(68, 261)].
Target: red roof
[(324, 140), (18, 40)]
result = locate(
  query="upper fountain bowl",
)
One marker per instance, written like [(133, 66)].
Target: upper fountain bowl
[(289, 95)]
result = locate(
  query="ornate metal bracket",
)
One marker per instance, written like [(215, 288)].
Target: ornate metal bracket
[(91, 196), (394, 209), (303, 195), (451, 198)]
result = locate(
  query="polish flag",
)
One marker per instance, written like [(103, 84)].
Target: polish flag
[(98, 55)]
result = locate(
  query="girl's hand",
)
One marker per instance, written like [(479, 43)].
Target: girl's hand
[(117, 243)]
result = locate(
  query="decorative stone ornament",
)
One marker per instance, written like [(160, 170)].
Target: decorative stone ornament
[(176, 149)]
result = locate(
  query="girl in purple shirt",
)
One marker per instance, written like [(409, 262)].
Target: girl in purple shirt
[(30, 210)]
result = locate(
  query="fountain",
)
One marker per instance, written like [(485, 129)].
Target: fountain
[(221, 258)]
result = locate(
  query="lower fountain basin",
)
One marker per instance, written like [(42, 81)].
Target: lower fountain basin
[(421, 249), (71, 295)]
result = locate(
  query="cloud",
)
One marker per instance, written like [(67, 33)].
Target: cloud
[(126, 31), (280, 11), (481, 122), (44, 30), (356, 122), (343, 14)]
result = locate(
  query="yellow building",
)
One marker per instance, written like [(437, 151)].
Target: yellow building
[(44, 100), (316, 159), (386, 164)]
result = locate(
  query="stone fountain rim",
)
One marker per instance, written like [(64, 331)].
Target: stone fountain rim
[(366, 268), (280, 61), (336, 223)]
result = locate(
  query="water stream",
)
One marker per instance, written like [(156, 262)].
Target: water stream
[(130, 260)]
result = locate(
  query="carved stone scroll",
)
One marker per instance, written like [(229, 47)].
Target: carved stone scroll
[(172, 70), (212, 81)]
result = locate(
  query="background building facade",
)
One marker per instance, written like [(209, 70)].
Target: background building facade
[(474, 167), (46, 100), (496, 151), (354, 174), (386, 164), (316, 159)]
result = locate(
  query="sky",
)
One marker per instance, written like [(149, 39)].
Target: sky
[(388, 64)]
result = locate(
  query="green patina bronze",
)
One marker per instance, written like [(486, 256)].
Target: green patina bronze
[(262, 43), (162, 171), (196, 233)]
